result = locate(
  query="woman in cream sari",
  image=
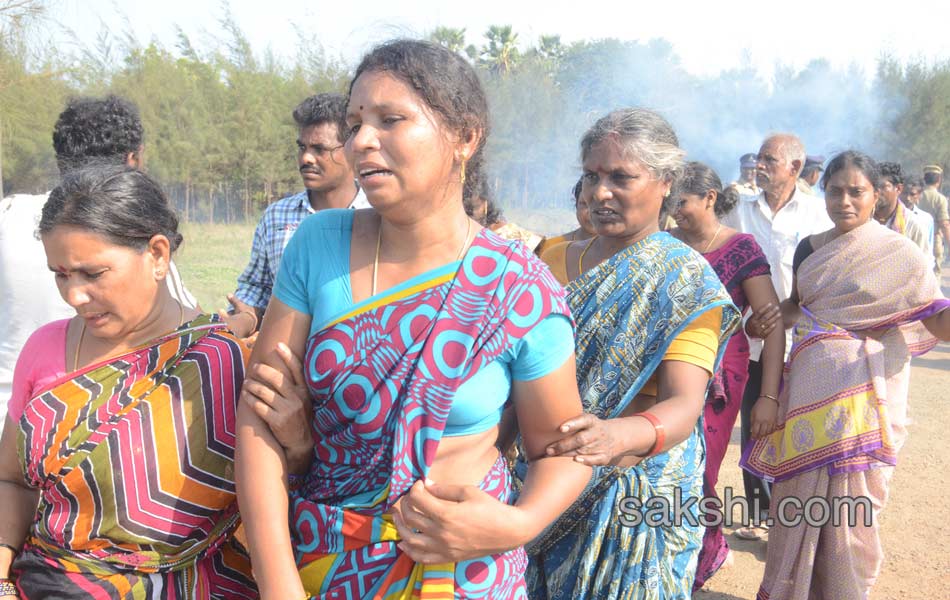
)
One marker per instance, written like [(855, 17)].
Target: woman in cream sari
[(843, 410)]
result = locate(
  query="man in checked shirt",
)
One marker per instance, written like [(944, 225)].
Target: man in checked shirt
[(329, 183)]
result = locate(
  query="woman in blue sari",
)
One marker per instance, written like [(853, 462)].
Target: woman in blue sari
[(652, 321), (415, 325)]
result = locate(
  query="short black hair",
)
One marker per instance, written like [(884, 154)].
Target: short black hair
[(931, 178), (96, 128), (891, 171), (858, 160), (117, 202), (320, 109), (807, 171)]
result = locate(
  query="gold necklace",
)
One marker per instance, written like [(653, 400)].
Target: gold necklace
[(580, 261), (82, 333), (709, 245), (379, 238)]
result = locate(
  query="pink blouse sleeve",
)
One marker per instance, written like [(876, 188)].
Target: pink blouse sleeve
[(41, 362)]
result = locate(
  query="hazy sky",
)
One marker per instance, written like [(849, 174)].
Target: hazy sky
[(708, 35)]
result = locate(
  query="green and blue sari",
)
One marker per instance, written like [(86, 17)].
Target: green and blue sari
[(628, 310)]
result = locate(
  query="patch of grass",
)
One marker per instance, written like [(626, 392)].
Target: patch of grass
[(211, 258)]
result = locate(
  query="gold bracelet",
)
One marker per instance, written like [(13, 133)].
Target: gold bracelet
[(772, 398)]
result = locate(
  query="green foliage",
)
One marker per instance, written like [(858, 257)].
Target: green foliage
[(220, 137)]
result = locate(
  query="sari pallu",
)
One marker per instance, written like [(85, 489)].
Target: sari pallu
[(844, 402), (383, 377), (133, 462), (628, 311), (843, 408)]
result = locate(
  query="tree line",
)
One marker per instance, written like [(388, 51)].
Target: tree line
[(220, 137)]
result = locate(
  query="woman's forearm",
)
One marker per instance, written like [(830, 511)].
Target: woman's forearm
[(678, 414), (773, 359), (551, 486), (261, 468), (19, 507)]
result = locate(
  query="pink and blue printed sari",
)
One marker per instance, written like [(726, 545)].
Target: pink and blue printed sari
[(383, 377), (628, 311)]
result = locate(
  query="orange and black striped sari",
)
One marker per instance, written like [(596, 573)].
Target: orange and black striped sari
[(133, 462)]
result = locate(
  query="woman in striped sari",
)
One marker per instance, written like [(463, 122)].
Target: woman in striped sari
[(652, 322), (416, 326), (116, 470), (857, 320)]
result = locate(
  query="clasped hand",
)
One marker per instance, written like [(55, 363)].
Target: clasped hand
[(590, 440), (451, 523), (281, 399)]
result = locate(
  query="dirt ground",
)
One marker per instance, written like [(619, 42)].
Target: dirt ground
[(916, 520)]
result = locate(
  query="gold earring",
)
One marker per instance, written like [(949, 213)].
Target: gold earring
[(462, 173)]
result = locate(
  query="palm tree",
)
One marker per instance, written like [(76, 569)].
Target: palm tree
[(501, 53), (451, 37)]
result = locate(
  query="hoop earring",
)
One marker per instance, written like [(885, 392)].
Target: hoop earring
[(462, 173)]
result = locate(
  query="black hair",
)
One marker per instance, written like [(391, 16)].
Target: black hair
[(912, 181), (481, 192), (810, 169), (96, 128), (698, 178), (577, 190), (445, 82), (117, 202), (891, 171), (320, 109), (858, 160), (931, 178)]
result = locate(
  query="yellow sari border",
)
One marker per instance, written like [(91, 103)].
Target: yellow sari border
[(388, 297)]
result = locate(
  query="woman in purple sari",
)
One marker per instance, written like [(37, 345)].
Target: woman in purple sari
[(744, 271)]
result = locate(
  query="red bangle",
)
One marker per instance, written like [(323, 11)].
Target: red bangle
[(658, 429)]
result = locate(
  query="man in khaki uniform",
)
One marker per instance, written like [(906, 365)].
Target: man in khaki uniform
[(811, 173), (746, 182), (935, 203)]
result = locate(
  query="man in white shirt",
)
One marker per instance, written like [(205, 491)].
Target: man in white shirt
[(913, 189), (89, 129), (892, 213), (778, 218)]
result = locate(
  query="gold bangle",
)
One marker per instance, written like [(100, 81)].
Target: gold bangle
[(772, 398)]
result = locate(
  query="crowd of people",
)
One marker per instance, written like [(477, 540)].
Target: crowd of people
[(412, 397)]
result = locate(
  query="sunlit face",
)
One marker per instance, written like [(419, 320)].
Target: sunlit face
[(912, 197), (624, 196), (582, 212), (773, 172), (691, 210), (887, 199), (397, 145), (850, 199), (112, 287), (320, 158)]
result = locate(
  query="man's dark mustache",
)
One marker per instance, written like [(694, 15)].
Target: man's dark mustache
[(308, 170)]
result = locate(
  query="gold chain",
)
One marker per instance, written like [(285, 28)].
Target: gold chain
[(709, 245), (379, 238), (580, 261)]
